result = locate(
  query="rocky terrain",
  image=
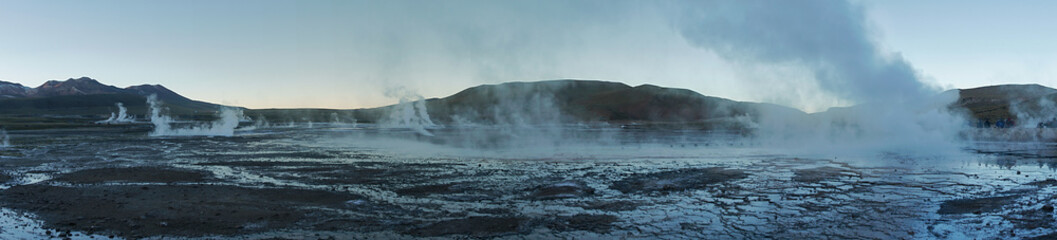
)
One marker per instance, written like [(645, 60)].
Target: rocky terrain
[(340, 184)]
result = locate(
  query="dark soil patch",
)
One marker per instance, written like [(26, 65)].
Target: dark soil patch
[(278, 155), (566, 189), (495, 211), (41, 171), (462, 191), (612, 206), (259, 164), (974, 205), (425, 190), (332, 174), (133, 174), (4, 178), (338, 169), (677, 180), (472, 226), (814, 175), (1033, 218), (358, 175), (586, 222), (350, 175), (177, 210), (1044, 183), (1044, 237), (354, 224)]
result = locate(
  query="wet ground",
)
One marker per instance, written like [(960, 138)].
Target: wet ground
[(347, 183)]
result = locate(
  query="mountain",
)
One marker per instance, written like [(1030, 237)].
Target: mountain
[(87, 96), (83, 100), (574, 101), (599, 101), (564, 101), (79, 86), (480, 104), (1004, 101), (170, 97), (13, 90), (526, 100)]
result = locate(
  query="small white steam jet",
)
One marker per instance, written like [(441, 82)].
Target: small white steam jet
[(121, 117)]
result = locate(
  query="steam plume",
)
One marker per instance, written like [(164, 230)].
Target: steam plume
[(5, 141), (224, 126), (831, 39), (409, 113), (119, 118)]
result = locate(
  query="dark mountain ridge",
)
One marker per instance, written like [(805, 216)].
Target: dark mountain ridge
[(541, 102), (12, 90), (79, 86), (1006, 101), (583, 101), (87, 96)]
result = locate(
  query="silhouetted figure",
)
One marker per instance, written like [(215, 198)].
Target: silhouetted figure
[(987, 123), (1010, 123), (1000, 124)]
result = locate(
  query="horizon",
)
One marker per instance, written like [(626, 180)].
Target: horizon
[(535, 119), (347, 54), (456, 92)]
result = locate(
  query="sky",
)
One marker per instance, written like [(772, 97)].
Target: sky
[(809, 54)]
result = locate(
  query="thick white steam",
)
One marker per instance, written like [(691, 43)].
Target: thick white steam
[(833, 42), (163, 124), (517, 117), (1034, 119), (121, 117), (5, 141), (410, 113), (924, 127)]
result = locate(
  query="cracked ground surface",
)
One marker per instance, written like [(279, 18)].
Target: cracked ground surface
[(326, 183)]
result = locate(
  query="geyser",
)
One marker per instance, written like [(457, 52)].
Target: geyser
[(831, 40), (5, 141), (228, 120), (410, 113), (120, 118)]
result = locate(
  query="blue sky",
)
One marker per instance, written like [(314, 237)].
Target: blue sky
[(346, 54), (973, 43)]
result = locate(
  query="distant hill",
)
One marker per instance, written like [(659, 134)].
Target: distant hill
[(83, 100), (563, 101), (171, 98), (86, 96), (1002, 101), (72, 87), (529, 101), (12, 90), (588, 101), (600, 101)]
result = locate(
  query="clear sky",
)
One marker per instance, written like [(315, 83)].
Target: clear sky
[(347, 54)]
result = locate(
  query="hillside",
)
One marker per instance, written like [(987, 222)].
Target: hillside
[(586, 101), (574, 101), (1003, 101), (82, 101), (12, 90), (86, 96), (78, 102), (565, 101), (557, 101), (529, 101)]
